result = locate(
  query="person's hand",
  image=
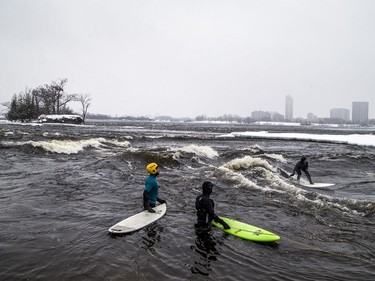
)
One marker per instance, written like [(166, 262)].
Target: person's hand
[(222, 222), (226, 226)]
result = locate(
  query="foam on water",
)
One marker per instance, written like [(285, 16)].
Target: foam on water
[(254, 149), (235, 178), (66, 146), (276, 157), (124, 144), (201, 151), (59, 146), (266, 179), (247, 162)]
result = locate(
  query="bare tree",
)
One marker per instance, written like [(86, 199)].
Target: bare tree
[(46, 99), (59, 97), (52, 99), (85, 100)]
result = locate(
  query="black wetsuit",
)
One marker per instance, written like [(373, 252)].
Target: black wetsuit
[(205, 212), (302, 165)]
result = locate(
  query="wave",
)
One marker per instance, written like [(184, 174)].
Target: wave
[(255, 173), (246, 163), (67, 146), (277, 157), (253, 149), (258, 174), (200, 151)]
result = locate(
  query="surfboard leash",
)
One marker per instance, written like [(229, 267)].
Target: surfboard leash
[(256, 232)]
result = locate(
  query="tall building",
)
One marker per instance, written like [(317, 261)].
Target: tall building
[(360, 112), (340, 113), (288, 108)]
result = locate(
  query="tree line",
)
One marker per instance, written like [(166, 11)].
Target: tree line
[(225, 118), (46, 99)]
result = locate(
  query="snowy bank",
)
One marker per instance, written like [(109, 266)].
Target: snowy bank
[(66, 119), (356, 139)]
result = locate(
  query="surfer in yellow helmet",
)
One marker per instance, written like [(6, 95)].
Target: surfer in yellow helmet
[(150, 193)]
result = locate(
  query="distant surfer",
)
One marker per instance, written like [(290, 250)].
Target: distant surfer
[(150, 193), (302, 165), (205, 209)]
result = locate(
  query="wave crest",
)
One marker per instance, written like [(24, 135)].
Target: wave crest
[(201, 151), (68, 146), (246, 163)]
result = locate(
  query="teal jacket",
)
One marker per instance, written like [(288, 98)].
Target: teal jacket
[(152, 187)]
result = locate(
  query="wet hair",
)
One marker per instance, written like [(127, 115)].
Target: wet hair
[(303, 159)]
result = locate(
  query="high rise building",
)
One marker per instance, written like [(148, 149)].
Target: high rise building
[(340, 113), (360, 112), (288, 108)]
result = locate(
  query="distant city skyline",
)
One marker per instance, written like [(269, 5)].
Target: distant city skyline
[(360, 113)]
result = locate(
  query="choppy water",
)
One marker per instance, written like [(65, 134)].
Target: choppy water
[(62, 187)]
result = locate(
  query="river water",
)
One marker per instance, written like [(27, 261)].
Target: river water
[(63, 186)]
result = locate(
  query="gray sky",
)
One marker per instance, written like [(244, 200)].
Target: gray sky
[(184, 58)]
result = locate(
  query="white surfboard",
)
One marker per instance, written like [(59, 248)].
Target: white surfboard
[(139, 220), (316, 184)]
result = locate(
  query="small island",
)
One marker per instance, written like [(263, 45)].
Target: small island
[(47, 103), (65, 119)]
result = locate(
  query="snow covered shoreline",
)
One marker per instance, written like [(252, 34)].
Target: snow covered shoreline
[(68, 119), (355, 139)]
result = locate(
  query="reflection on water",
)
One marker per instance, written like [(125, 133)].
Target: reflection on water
[(152, 237), (149, 240), (205, 246)]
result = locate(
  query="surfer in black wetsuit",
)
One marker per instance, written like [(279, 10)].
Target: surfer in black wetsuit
[(205, 209), (302, 165)]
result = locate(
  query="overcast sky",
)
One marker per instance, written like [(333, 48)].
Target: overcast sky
[(185, 58)]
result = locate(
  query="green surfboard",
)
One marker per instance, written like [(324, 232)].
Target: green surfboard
[(247, 231)]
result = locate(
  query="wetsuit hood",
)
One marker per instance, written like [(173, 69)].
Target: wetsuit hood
[(303, 159), (207, 187)]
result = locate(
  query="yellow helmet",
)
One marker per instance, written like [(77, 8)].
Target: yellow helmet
[(152, 168)]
